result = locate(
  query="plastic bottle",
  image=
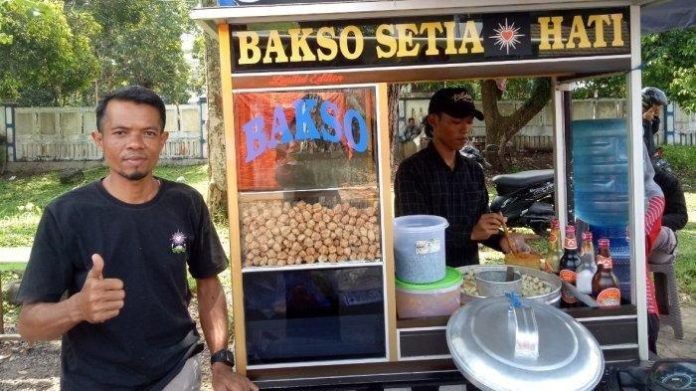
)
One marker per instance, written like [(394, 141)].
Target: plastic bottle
[(554, 251), (600, 171), (600, 182), (605, 285), (587, 269), (569, 264)]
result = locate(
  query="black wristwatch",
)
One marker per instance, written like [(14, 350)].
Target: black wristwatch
[(224, 356)]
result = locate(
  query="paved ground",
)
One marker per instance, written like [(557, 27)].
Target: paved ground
[(14, 254), (670, 347)]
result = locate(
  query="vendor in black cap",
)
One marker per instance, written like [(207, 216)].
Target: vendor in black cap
[(438, 180)]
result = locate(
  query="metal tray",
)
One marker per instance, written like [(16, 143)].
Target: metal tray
[(553, 297)]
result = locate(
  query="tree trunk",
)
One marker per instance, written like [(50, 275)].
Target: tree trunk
[(393, 99), (3, 155), (502, 128), (217, 173)]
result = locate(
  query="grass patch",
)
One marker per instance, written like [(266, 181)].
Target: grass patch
[(12, 267), (682, 158), (23, 200), (685, 266), (9, 273), (195, 176)]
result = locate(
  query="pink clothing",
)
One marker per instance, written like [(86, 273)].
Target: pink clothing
[(653, 225)]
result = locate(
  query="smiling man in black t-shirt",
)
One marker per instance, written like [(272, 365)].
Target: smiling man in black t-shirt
[(120, 247)]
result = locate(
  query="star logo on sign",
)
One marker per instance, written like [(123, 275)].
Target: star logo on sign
[(507, 36)]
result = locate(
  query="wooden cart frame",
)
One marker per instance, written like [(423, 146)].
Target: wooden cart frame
[(403, 364)]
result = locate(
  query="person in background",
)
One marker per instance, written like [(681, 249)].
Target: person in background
[(653, 101), (119, 249), (664, 246), (674, 218), (426, 135), (438, 180), (408, 138)]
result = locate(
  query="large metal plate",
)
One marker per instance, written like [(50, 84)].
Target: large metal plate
[(482, 342)]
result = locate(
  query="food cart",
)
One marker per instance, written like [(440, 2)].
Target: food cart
[(306, 96)]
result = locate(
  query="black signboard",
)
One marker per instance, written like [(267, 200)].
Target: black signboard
[(427, 40), (241, 3), (507, 35)]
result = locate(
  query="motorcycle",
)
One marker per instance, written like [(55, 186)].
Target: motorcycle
[(473, 153), (659, 161), (526, 198)]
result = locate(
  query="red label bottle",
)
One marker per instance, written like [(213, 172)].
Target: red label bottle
[(569, 264), (588, 267), (553, 255), (605, 285)]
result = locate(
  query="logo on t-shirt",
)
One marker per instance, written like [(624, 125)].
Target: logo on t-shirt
[(178, 242)]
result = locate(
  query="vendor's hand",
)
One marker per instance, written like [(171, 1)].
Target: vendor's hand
[(225, 379), (517, 240), (100, 298), (651, 113), (488, 224)]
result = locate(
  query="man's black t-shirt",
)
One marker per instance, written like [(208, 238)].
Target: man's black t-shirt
[(148, 247), (425, 184)]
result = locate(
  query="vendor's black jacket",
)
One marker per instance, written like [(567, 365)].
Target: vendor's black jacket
[(675, 215), (650, 128), (425, 184)]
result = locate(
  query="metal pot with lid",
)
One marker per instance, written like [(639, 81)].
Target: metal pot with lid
[(504, 343)]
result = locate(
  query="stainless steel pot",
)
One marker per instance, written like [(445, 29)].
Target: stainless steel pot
[(533, 346), (553, 297)]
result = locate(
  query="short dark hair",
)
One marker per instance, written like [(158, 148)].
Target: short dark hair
[(136, 94)]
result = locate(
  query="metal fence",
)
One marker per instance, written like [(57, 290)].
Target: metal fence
[(63, 134), (538, 133)]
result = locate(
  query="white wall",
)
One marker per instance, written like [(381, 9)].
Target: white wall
[(60, 134)]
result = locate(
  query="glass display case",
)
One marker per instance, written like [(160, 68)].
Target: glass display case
[(310, 224), (307, 176)]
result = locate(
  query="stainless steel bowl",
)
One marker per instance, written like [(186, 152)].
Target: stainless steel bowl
[(553, 297), (491, 283)]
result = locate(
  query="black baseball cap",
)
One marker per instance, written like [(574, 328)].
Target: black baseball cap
[(455, 102)]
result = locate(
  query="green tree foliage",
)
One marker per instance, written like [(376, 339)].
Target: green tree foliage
[(669, 60), (605, 87), (43, 61), (55, 52), (140, 43), (669, 63), (198, 79)]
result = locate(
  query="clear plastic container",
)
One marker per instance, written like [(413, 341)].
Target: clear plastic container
[(419, 248), (440, 298)]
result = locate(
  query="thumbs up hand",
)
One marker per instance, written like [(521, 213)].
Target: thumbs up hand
[(100, 298)]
